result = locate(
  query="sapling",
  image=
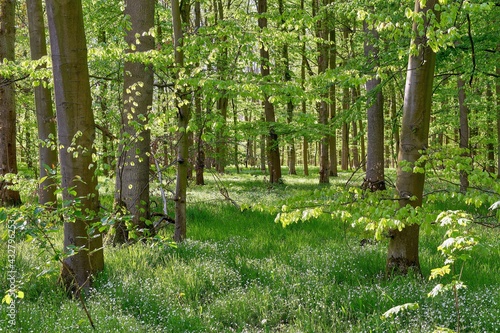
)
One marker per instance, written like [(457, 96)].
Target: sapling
[(456, 248)]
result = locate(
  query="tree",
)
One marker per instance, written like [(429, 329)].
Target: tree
[(375, 115), (183, 116), (222, 101), (333, 102), (402, 254), (198, 115), (46, 122), (464, 132), (132, 181), (497, 90), (76, 132), (323, 114), (273, 152), (8, 159)]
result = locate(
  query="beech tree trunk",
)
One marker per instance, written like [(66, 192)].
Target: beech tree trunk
[(198, 141), (375, 179), (395, 125), (272, 146), (332, 142), (287, 77), (464, 133), (497, 90), (46, 122), (183, 115), (402, 254), (322, 106), (132, 176), (8, 154), (76, 133), (344, 163), (490, 146)]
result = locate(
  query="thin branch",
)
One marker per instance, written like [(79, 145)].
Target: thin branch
[(106, 132), (7, 82), (473, 53)]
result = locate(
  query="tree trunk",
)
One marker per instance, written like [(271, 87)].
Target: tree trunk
[(402, 254), (287, 77), (263, 156), (354, 146), (362, 144), (46, 122), (375, 116), (8, 158), (464, 133), (344, 163), (273, 152), (490, 146), (305, 144), (395, 124), (497, 90), (332, 142), (323, 114), (236, 143), (200, 153), (221, 134), (132, 181), (222, 63), (183, 115), (76, 133)]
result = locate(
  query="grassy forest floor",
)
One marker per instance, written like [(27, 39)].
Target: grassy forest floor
[(239, 271)]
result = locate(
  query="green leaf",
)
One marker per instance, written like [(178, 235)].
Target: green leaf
[(441, 271), (7, 299), (395, 310)]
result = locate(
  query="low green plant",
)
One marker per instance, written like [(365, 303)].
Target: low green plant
[(456, 248)]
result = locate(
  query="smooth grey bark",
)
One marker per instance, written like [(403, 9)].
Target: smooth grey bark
[(344, 162), (198, 116), (497, 90), (132, 176), (183, 115), (464, 132), (8, 152), (322, 106), (332, 143), (272, 144), (402, 253), (375, 179), (46, 122), (490, 146), (76, 133), (287, 77), (395, 125)]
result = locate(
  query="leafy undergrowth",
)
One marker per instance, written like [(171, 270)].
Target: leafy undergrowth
[(239, 271)]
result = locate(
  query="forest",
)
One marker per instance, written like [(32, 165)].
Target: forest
[(250, 166)]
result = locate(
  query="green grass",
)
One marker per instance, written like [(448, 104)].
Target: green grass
[(241, 272)]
